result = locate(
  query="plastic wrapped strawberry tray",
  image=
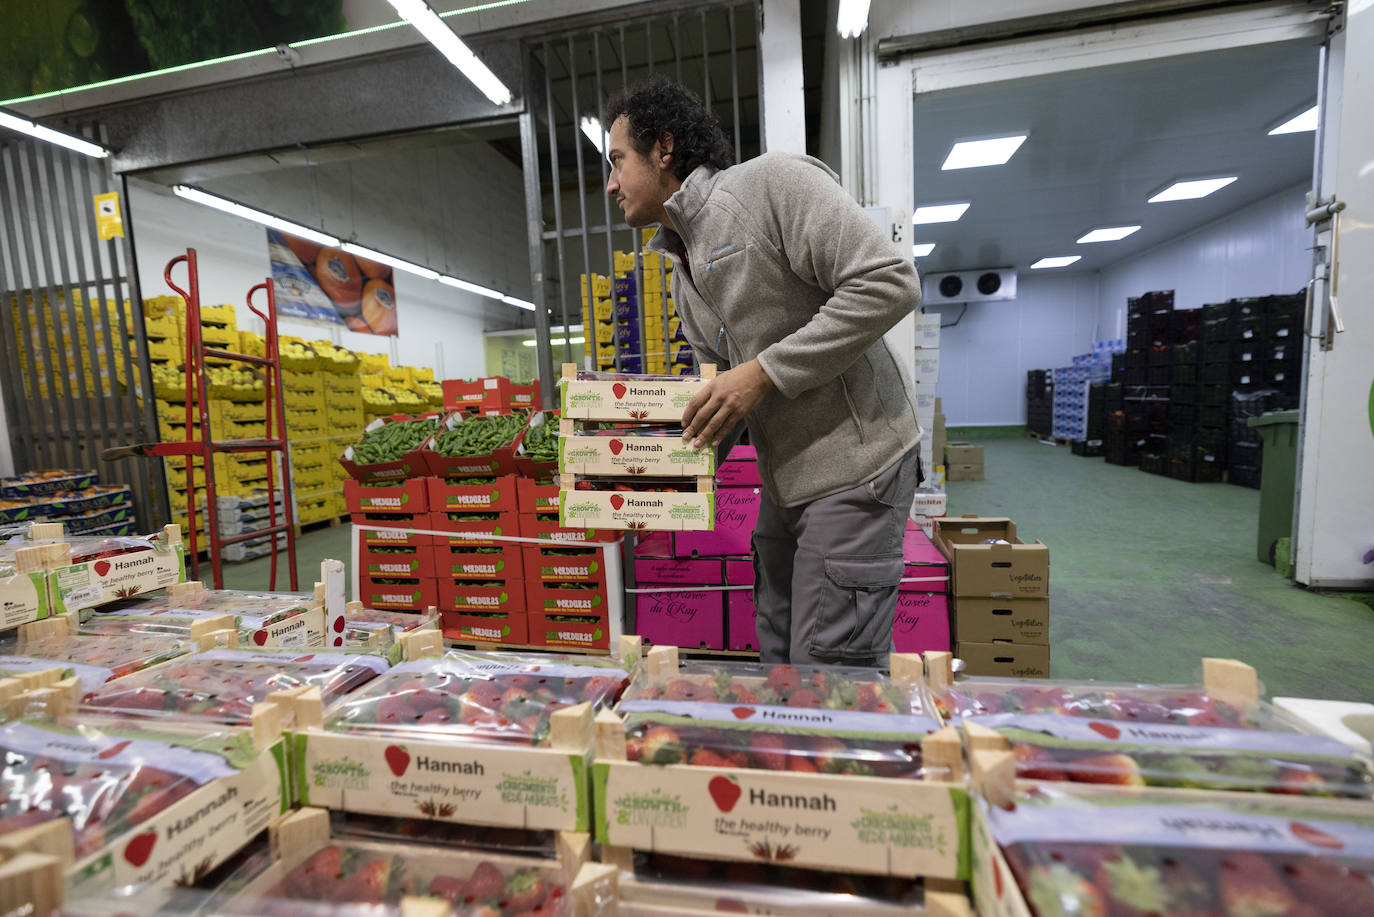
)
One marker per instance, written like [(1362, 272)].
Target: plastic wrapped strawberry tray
[(1167, 736), (223, 685), (1083, 852), (94, 661)]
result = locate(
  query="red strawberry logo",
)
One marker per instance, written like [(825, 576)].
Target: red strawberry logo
[(398, 759), (725, 791), (338, 641), (742, 713), (260, 637), (306, 658), (617, 501), (1315, 836), (102, 567), (113, 750), (339, 624), (140, 848), (616, 445), (618, 390), (1106, 730)]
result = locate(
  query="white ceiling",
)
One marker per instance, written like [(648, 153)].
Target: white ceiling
[(1102, 141)]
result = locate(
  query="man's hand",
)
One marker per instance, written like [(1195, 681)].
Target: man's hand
[(723, 402)]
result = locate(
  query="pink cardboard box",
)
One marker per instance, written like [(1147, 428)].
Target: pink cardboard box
[(740, 468), (741, 620), (694, 620), (654, 544), (739, 571), (921, 622), (673, 571), (737, 511), (926, 569)]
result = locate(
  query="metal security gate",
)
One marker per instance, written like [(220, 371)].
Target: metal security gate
[(73, 355), (711, 49)]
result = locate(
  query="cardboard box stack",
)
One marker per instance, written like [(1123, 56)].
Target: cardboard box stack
[(963, 462), (928, 408), (1001, 596), (921, 622), (76, 499)]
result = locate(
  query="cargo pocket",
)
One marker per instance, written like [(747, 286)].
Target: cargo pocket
[(855, 601)]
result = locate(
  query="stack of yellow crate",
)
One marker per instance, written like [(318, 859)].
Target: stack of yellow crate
[(343, 399), (598, 319), (640, 311), (66, 348), (307, 427)]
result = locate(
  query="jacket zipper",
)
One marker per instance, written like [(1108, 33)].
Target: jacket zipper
[(853, 411)]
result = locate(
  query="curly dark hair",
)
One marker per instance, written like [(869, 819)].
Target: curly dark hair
[(657, 108)]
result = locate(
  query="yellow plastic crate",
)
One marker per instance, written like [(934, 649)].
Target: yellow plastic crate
[(398, 375), (219, 338), (306, 453), (218, 316), (421, 374), (601, 286), (300, 382), (342, 385), (312, 479), (159, 306), (254, 345), (344, 401), (302, 401), (239, 412), (168, 350), (347, 423), (163, 327)]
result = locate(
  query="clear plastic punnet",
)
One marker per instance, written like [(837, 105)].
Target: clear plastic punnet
[(502, 697), (257, 608), (1217, 735), (1090, 851), (809, 719), (372, 627), (92, 660), (223, 685)]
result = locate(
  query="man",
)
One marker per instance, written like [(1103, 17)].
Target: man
[(785, 283)]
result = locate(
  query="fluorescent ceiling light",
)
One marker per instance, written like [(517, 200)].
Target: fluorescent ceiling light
[(1108, 234), (592, 128), (472, 287), (570, 341), (234, 208), (939, 213), (852, 18), (1306, 121), (428, 23), (518, 303), (1060, 261), (34, 129), (400, 264), (1190, 190), (922, 249), (974, 154)]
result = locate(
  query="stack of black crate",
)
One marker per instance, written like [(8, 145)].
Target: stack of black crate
[(1040, 402), (1264, 373), (1114, 423), (1147, 399), (1092, 444), (1196, 452)]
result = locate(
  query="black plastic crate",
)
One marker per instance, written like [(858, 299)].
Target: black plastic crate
[(1157, 375), (1137, 356), (1212, 439), (1186, 352), (1250, 327), (1154, 463), (1184, 374), (1089, 448), (1289, 351), (1249, 351), (1135, 375), (1218, 329), (1215, 394), (1182, 415), (1244, 475), (1160, 355), (1180, 447), (1118, 366), (1285, 307), (1247, 377), (1252, 404), (1208, 471), (1215, 312), (1181, 469), (1214, 352), (1245, 454), (1211, 415), (1283, 375), (1283, 329), (1185, 394), (1114, 392), (1184, 325), (1215, 373)]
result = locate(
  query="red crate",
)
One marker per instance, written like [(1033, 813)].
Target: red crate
[(459, 561), (500, 462), (546, 598), (408, 499), (499, 496), (565, 631), (369, 539), (419, 520), (417, 565), (387, 552), (545, 527), (524, 397), (412, 595), (545, 565), (461, 395), (506, 524), (484, 628), (508, 598), (532, 497), (411, 465)]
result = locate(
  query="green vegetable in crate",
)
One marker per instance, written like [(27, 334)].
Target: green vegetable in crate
[(390, 441), (479, 435), (541, 443)]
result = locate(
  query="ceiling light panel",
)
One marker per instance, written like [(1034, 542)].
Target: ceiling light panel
[(974, 154), (1191, 190), (1058, 261), (922, 249), (591, 128), (939, 213), (1304, 121), (852, 18), (70, 141), (1108, 234), (428, 24)]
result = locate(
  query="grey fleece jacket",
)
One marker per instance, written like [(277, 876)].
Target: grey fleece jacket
[(785, 267)]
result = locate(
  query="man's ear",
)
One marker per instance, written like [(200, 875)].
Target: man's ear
[(665, 150)]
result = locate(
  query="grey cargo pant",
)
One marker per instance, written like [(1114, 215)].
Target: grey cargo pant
[(826, 572)]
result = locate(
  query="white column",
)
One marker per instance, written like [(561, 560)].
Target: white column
[(782, 107)]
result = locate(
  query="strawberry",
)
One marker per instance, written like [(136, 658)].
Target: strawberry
[(525, 890), (829, 753), (422, 699), (140, 698), (804, 697), (868, 699), (1189, 895), (1115, 769), (393, 709), (485, 882), (1036, 763), (317, 875), (484, 694), (769, 751), (822, 682), (801, 764), (705, 757), (435, 716), (1300, 780), (684, 689), (368, 883), (739, 694), (600, 689), (1331, 887), (1057, 890), (1250, 887), (662, 746), (1132, 890), (784, 679), (446, 887)]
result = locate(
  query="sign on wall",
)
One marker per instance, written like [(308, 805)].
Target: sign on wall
[(326, 284)]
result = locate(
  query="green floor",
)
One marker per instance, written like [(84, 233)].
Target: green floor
[(1147, 575)]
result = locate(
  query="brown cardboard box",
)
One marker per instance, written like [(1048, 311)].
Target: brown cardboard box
[(963, 472), (1005, 660), (1016, 569), (960, 453), (985, 620)]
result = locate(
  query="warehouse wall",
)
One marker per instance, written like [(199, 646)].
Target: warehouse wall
[(430, 220), (985, 356), (1257, 250)]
